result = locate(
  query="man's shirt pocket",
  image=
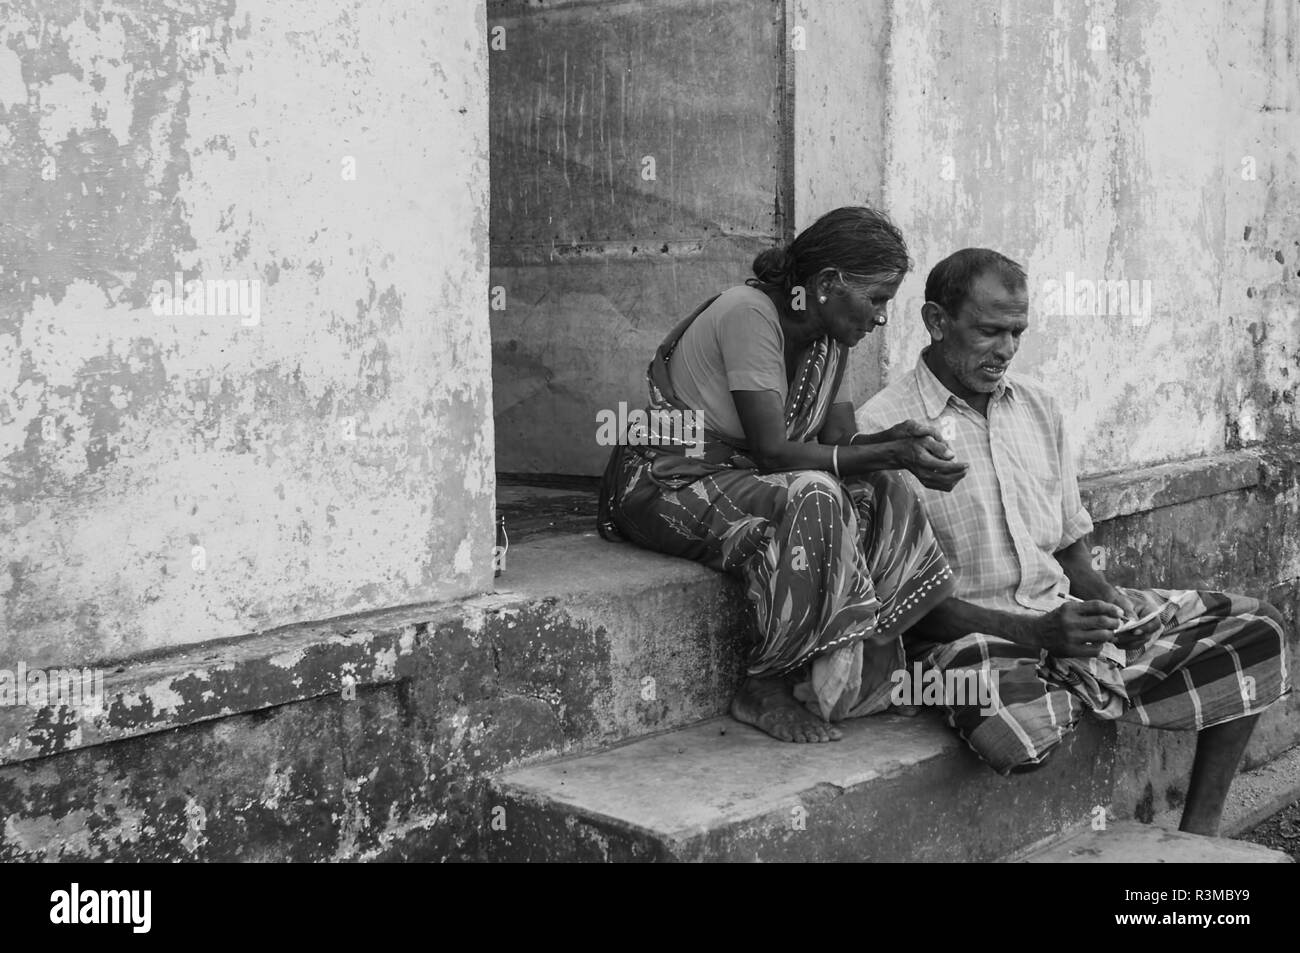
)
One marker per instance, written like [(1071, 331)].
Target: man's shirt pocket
[(1036, 476)]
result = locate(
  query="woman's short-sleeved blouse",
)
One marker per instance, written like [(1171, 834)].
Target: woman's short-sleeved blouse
[(735, 344)]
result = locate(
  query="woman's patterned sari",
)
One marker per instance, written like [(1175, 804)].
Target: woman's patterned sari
[(836, 569)]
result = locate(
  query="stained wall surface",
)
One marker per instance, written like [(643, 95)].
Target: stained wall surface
[(171, 478), (1154, 142)]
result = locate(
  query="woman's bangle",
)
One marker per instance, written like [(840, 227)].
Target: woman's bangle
[(835, 460), (856, 435)]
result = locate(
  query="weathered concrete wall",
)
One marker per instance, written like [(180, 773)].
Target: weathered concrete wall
[(1152, 142), (840, 108), (1247, 541), (168, 479)]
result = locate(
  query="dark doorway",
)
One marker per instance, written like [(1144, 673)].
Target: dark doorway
[(638, 165)]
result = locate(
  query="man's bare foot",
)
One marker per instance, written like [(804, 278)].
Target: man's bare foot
[(770, 706)]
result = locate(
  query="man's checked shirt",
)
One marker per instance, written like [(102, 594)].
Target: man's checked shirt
[(1019, 501)]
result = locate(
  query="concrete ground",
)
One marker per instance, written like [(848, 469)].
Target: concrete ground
[(1280, 832), (1263, 806)]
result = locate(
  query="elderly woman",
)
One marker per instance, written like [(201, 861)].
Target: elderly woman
[(837, 556)]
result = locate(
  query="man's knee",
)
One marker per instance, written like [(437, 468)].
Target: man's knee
[(1271, 612), (1007, 767), (1029, 767)]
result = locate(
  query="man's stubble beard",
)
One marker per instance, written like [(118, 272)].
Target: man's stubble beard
[(963, 376)]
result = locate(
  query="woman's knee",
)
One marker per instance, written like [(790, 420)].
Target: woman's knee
[(806, 483)]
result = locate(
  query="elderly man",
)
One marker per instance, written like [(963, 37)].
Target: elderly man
[(1031, 613)]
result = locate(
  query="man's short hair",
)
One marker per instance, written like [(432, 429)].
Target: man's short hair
[(949, 282)]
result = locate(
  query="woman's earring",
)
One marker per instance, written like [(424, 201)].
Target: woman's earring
[(821, 298)]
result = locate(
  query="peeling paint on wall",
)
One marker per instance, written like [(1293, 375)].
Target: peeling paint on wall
[(172, 478)]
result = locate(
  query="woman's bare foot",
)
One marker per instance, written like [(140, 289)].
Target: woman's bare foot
[(769, 705)]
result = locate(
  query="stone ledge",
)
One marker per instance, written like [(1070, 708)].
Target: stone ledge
[(215, 680), (567, 594), (1113, 495)]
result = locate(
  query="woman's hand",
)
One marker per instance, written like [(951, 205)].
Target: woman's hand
[(912, 428), (923, 453)]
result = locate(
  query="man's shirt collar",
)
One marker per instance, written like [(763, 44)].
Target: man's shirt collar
[(935, 396)]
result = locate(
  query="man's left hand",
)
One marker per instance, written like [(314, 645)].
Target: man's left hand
[(1127, 640)]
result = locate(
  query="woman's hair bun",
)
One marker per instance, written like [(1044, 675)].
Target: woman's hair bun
[(775, 266)]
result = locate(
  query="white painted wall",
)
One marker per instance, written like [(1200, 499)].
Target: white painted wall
[(336, 457), (1103, 139)]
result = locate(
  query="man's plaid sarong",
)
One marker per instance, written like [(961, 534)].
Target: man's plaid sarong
[(1218, 656)]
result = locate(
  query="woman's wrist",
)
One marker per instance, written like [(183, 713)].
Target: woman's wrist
[(869, 458), (863, 439)]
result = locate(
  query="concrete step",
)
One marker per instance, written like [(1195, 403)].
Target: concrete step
[(1128, 842), (661, 644), (640, 641), (894, 789)]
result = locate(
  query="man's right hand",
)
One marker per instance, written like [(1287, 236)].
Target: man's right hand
[(1078, 629), (922, 452)]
